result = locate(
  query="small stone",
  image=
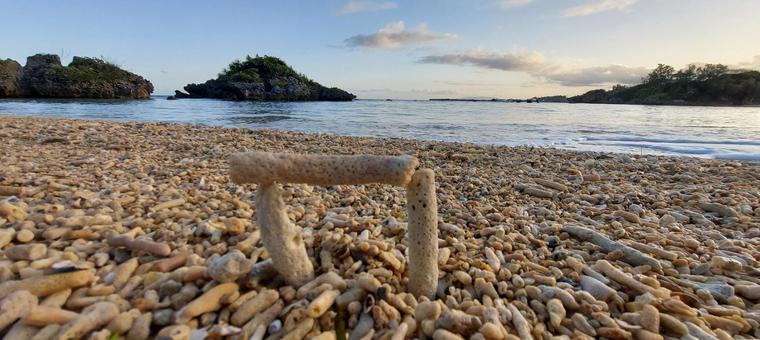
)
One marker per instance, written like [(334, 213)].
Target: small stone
[(169, 288), (186, 294), (274, 327), (667, 220), (175, 332), (649, 318), (24, 236), (628, 216), (6, 236), (121, 255), (11, 212), (235, 226), (27, 252), (207, 318), (163, 317), (751, 292), (691, 243), (725, 263), (229, 267), (613, 333), (556, 312)]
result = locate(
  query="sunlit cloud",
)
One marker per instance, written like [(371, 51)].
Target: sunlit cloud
[(516, 61), (749, 65), (535, 64), (513, 3), (366, 6), (598, 6), (597, 75), (395, 35)]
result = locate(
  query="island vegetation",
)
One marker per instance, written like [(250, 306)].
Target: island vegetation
[(263, 78), (44, 76), (711, 84)]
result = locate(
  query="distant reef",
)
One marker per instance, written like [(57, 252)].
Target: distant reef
[(710, 84), (479, 100), (552, 99), (44, 76), (262, 79)]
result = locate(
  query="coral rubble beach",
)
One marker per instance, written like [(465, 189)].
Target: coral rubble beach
[(135, 229)]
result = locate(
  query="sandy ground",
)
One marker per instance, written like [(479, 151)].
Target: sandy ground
[(135, 229)]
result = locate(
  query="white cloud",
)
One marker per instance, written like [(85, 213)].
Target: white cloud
[(597, 75), (535, 64), (516, 61), (395, 35), (366, 6), (513, 3), (749, 65), (598, 6)]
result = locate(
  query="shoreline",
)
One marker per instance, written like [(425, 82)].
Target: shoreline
[(679, 235), (750, 160)]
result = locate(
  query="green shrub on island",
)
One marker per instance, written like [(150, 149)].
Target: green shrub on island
[(44, 76), (711, 84), (93, 69), (255, 69), (262, 78)]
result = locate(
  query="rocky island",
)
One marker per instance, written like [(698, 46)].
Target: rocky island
[(44, 76), (263, 79), (711, 84)]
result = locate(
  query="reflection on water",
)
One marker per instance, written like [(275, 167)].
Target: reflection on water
[(719, 132)]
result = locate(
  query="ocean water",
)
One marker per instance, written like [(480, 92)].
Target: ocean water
[(710, 132)]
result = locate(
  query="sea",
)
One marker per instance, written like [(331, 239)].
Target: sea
[(685, 131)]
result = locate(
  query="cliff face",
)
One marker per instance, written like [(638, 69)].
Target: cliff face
[(44, 76), (263, 79)]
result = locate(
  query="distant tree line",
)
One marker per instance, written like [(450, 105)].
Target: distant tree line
[(710, 84)]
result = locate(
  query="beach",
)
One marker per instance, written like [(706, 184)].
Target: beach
[(133, 222)]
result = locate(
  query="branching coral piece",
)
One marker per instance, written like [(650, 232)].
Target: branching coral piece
[(264, 167)]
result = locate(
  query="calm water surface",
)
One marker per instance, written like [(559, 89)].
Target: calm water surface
[(715, 132)]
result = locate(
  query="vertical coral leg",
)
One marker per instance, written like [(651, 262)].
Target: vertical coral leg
[(281, 238), (422, 208)]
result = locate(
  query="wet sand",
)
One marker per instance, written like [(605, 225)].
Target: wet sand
[(136, 229)]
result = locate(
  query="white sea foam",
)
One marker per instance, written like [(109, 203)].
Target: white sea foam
[(750, 157), (686, 150), (675, 140)]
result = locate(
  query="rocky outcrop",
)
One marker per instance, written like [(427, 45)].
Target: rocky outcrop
[(10, 70), (44, 76), (263, 79)]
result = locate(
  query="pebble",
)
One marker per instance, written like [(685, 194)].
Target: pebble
[(28, 252), (24, 236), (234, 226), (649, 318), (161, 235), (229, 267), (6, 236)]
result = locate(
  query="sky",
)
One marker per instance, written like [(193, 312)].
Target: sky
[(415, 49)]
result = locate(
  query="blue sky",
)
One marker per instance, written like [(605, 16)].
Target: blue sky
[(396, 49)]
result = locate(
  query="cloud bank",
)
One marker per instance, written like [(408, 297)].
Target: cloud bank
[(513, 3), (598, 6), (749, 65), (395, 35), (598, 75), (366, 6), (534, 63), (518, 61)]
